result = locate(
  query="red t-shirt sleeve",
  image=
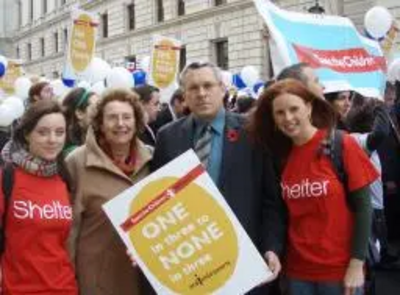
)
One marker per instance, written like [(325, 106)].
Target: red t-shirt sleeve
[(359, 169)]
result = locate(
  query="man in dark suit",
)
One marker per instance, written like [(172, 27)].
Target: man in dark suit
[(244, 174)]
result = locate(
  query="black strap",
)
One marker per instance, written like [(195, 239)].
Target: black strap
[(7, 187), (337, 155)]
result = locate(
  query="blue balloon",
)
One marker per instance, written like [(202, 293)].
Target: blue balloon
[(68, 82), (257, 86), (2, 69), (238, 82), (139, 77)]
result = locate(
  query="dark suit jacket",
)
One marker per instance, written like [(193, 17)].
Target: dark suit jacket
[(163, 118), (247, 178), (147, 136)]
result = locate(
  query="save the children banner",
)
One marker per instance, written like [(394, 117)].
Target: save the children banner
[(81, 44), (183, 234), (164, 65), (342, 58)]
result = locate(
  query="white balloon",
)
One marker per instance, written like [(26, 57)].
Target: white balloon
[(98, 88), (6, 115), (4, 61), (99, 70), (59, 89), (119, 77), (378, 21), (393, 73), (84, 84), (250, 76), (260, 91), (22, 86), (227, 78), (145, 63), (16, 104), (44, 79)]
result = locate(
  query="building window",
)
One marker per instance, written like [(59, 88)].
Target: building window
[(55, 36), (182, 58), (17, 53), (131, 16), (219, 2), (160, 10), (42, 53), (181, 7), (221, 53), (104, 25), (44, 7), (31, 6), (29, 51), (65, 32)]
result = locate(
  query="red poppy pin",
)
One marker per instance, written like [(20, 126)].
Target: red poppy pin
[(232, 135)]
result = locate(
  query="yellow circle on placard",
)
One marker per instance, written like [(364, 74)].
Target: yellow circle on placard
[(82, 42), (188, 243), (164, 63)]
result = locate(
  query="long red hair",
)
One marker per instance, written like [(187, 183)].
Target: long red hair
[(262, 127)]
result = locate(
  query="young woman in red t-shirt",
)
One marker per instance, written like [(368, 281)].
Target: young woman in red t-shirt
[(38, 214), (328, 228)]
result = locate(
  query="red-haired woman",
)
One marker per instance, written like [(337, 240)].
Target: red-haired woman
[(328, 229)]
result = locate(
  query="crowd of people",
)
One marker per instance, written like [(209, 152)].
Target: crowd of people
[(312, 177)]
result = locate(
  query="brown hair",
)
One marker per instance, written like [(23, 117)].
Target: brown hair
[(76, 99), (35, 90), (122, 95), (29, 121), (262, 127)]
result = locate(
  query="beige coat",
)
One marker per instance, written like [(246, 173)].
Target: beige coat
[(102, 264)]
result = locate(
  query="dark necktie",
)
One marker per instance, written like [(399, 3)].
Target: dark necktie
[(203, 145)]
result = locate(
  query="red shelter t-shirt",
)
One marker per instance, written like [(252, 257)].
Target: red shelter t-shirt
[(320, 222), (39, 219)]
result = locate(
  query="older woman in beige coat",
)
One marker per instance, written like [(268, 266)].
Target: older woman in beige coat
[(112, 160)]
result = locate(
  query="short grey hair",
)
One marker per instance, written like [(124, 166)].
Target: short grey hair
[(294, 72), (199, 65)]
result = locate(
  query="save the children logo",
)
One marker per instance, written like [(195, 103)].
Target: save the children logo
[(186, 250)]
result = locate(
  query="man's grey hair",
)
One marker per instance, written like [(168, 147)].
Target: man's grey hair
[(294, 72), (199, 65)]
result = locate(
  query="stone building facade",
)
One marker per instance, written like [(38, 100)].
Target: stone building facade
[(229, 32)]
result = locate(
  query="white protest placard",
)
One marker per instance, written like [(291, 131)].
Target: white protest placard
[(183, 234), (81, 45), (164, 65)]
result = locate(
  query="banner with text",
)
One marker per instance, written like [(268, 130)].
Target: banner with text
[(342, 58), (183, 234), (164, 65), (81, 45)]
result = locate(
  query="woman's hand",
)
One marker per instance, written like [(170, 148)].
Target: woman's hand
[(354, 277)]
